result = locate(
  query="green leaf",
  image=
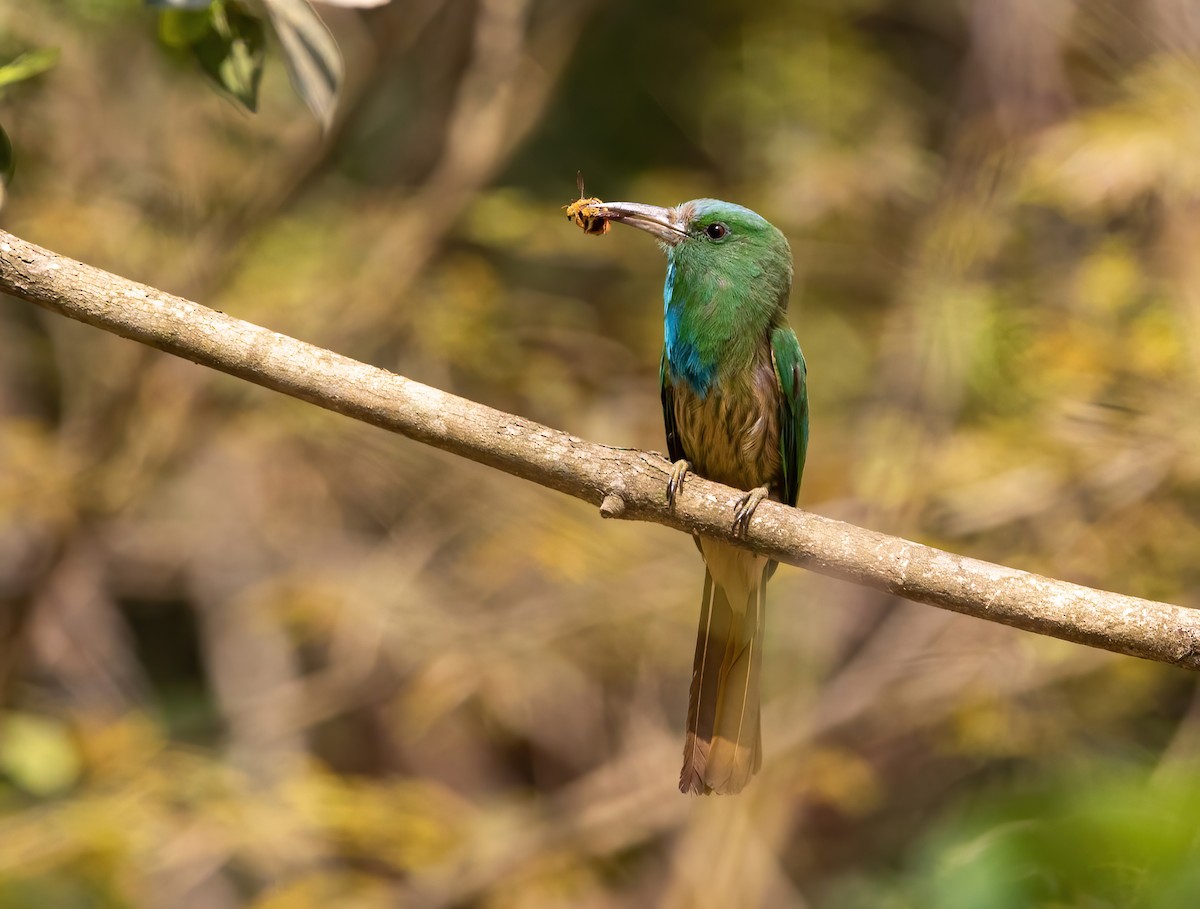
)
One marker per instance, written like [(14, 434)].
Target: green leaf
[(232, 53), (28, 65), (313, 59), (7, 161), (179, 28)]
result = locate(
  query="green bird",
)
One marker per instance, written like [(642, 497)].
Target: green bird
[(735, 403)]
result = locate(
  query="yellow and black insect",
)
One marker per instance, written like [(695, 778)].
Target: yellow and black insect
[(585, 214)]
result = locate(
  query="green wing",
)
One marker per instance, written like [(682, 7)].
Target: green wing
[(793, 408), (674, 446)]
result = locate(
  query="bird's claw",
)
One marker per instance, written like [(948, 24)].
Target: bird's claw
[(679, 470), (745, 509)]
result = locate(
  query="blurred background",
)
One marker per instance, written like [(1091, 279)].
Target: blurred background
[(255, 654)]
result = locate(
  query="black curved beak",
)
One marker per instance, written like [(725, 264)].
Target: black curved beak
[(662, 223)]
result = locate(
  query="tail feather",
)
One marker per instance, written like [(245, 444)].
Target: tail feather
[(702, 701), (723, 744)]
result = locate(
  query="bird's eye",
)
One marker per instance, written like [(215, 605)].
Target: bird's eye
[(716, 231)]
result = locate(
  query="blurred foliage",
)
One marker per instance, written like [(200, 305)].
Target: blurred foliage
[(252, 654), (1104, 837), (26, 66), (229, 43)]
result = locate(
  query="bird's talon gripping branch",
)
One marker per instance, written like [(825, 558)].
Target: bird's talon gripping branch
[(679, 470), (745, 509)]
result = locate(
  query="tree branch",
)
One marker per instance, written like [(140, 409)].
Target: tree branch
[(624, 483)]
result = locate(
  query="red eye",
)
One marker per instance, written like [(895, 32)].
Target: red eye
[(716, 231)]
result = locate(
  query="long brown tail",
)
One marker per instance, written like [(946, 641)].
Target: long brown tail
[(723, 746)]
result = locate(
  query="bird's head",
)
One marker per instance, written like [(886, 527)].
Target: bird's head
[(714, 243)]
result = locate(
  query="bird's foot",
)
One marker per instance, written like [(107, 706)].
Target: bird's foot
[(745, 509), (679, 470)]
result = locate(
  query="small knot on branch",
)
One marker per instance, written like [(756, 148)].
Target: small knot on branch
[(613, 506)]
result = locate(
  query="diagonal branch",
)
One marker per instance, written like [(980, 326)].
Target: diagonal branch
[(624, 483)]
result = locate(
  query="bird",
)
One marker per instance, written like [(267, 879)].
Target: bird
[(735, 405)]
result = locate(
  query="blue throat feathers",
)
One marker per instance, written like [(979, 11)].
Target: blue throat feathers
[(684, 359)]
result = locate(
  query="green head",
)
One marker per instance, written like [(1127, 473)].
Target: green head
[(729, 272)]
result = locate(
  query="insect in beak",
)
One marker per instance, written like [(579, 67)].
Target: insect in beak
[(585, 212)]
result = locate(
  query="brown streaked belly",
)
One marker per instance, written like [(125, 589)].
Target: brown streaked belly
[(731, 436)]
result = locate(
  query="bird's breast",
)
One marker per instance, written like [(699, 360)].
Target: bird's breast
[(731, 434)]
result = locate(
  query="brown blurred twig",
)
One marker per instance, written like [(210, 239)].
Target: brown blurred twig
[(624, 483)]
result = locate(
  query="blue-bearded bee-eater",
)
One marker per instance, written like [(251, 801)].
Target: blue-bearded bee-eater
[(735, 403)]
